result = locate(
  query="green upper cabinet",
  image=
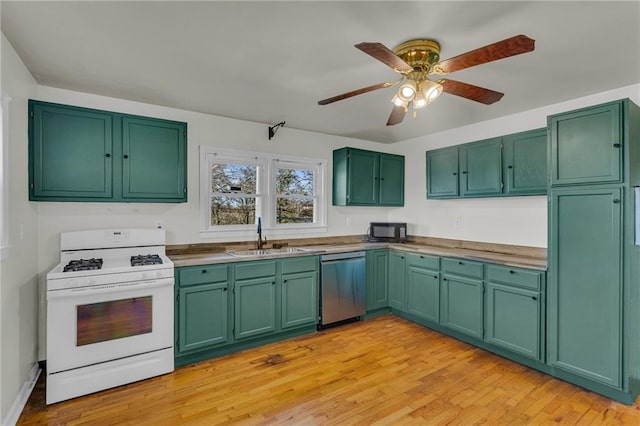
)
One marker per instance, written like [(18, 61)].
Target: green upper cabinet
[(481, 168), (524, 162), (510, 165), (153, 153), (442, 173), (586, 145), (80, 154), (71, 152), (367, 178), (391, 180)]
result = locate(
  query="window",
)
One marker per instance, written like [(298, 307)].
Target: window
[(296, 200), (238, 187)]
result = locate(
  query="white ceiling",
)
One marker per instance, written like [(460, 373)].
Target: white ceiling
[(272, 61)]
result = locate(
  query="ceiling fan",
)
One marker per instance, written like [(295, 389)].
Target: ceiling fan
[(417, 60)]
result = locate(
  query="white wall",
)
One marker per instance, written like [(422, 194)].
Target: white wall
[(509, 220), (19, 272)]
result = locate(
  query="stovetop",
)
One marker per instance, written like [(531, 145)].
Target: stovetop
[(123, 256)]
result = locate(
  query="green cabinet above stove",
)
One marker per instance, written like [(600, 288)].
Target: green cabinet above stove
[(81, 154)]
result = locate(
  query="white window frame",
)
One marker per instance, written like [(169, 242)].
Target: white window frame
[(4, 178), (266, 195), (209, 156), (319, 190)]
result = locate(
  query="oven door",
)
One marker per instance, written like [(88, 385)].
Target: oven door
[(90, 325)]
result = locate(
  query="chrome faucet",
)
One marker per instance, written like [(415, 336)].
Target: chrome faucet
[(261, 242)]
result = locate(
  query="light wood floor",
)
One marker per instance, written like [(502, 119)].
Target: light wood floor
[(381, 371)]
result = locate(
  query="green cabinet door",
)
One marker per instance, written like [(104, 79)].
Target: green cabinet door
[(391, 180), (481, 168), (153, 159), (442, 173), (512, 318), (377, 262), (397, 295), (363, 183), (586, 145), (70, 153), (255, 307), (423, 293), (585, 282), (462, 305), (202, 313), (299, 295), (525, 163)]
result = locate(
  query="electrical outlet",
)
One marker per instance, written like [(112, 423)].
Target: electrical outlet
[(457, 223)]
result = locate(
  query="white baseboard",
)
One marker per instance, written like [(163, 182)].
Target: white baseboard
[(23, 396)]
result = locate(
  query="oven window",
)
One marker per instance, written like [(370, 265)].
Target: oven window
[(115, 319)]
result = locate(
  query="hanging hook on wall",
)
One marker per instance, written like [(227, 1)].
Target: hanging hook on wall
[(274, 129)]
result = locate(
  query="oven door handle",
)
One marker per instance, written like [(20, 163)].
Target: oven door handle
[(109, 288)]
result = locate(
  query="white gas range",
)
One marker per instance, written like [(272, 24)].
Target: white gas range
[(109, 311)]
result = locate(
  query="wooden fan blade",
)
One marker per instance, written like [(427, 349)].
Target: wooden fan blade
[(500, 50), (397, 115), (469, 91), (354, 93), (385, 55)]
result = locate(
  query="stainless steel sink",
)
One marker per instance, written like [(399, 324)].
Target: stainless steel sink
[(266, 252)]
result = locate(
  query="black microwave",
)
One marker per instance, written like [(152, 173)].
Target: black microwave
[(387, 231)]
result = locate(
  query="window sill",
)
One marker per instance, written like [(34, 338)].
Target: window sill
[(269, 233)]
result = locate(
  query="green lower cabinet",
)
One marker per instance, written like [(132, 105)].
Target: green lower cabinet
[(377, 277), (397, 295), (202, 311), (423, 293), (512, 319), (299, 299), (462, 305), (255, 307)]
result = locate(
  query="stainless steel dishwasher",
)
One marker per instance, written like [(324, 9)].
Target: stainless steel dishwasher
[(342, 287)]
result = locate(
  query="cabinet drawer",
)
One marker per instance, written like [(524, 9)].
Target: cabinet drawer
[(255, 269), (204, 274), (463, 267), (299, 264), (514, 276), (424, 261)]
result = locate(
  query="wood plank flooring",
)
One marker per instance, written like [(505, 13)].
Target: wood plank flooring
[(383, 371)]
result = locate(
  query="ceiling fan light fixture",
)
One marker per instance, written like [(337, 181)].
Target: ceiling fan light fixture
[(431, 90), (399, 102), (420, 101), (407, 91)]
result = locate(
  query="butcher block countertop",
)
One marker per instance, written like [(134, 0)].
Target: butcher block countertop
[(212, 253)]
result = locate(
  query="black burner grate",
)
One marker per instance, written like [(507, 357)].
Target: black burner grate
[(146, 259), (83, 265)]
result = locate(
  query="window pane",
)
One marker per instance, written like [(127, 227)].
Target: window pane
[(233, 210), (294, 210), (294, 182), (233, 178)]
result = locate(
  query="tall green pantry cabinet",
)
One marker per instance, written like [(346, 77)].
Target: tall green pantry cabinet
[(593, 300)]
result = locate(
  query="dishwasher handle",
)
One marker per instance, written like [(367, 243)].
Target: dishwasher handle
[(341, 256)]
